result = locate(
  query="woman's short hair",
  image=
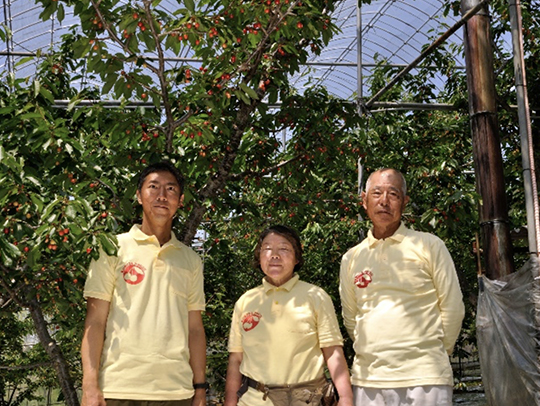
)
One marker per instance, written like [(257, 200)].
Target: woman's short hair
[(287, 232)]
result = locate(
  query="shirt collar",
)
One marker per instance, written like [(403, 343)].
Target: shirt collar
[(138, 235), (286, 286), (398, 236)]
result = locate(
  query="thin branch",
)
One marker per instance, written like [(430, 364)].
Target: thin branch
[(257, 54), (114, 37), (264, 171), (11, 292), (164, 84), (6, 303), (29, 366), (115, 199)]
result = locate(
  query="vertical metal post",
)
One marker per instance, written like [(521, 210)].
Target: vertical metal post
[(527, 155), (486, 143), (359, 67), (10, 59)]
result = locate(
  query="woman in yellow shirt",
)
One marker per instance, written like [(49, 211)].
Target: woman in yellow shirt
[(283, 333)]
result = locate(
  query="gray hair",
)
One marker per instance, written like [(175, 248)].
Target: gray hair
[(403, 181)]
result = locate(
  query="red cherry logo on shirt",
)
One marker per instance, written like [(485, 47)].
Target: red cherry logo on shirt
[(250, 320), (363, 279), (133, 273)]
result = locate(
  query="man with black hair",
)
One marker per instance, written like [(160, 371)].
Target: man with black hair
[(144, 340)]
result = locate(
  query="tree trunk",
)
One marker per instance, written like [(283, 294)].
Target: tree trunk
[(55, 354)]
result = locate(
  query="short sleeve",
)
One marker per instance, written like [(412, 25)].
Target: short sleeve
[(196, 299), (101, 279), (327, 323), (235, 335)]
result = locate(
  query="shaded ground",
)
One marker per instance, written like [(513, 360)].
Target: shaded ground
[(469, 399)]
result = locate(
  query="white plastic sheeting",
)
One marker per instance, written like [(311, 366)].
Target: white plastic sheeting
[(508, 333)]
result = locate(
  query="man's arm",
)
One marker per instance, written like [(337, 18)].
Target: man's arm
[(449, 294), (348, 298), (234, 378), (337, 366), (97, 311), (197, 354)]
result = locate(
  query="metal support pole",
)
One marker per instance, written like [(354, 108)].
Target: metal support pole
[(486, 143), (527, 154), (466, 16), (359, 67)]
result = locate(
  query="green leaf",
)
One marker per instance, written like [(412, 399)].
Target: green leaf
[(84, 207), (22, 61), (190, 5), (47, 94), (34, 256), (250, 92), (60, 13), (33, 180), (8, 249), (37, 201), (50, 207), (29, 116), (109, 83), (70, 212), (242, 96), (81, 47), (108, 244), (48, 11), (75, 229), (37, 86)]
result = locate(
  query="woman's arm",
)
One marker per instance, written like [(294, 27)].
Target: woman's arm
[(234, 378), (339, 372)]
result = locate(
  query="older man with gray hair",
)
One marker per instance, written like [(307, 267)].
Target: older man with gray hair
[(402, 305)]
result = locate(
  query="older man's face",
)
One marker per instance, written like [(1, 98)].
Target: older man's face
[(384, 201)]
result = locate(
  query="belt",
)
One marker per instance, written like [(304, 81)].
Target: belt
[(248, 382)]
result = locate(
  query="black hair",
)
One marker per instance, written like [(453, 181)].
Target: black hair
[(163, 166), (287, 232)]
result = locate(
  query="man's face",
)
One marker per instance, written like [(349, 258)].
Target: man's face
[(160, 196), (384, 201)]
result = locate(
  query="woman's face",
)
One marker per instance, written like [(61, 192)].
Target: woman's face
[(277, 259)]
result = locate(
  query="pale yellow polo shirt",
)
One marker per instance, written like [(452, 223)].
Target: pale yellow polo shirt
[(151, 290), (280, 331), (402, 306)]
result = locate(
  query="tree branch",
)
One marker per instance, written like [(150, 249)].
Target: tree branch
[(115, 38), (29, 366), (264, 171), (53, 350), (11, 291), (55, 353), (215, 183)]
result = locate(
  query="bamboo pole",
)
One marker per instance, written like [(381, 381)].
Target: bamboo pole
[(495, 230)]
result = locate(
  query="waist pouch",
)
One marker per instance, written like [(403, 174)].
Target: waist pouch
[(318, 392)]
